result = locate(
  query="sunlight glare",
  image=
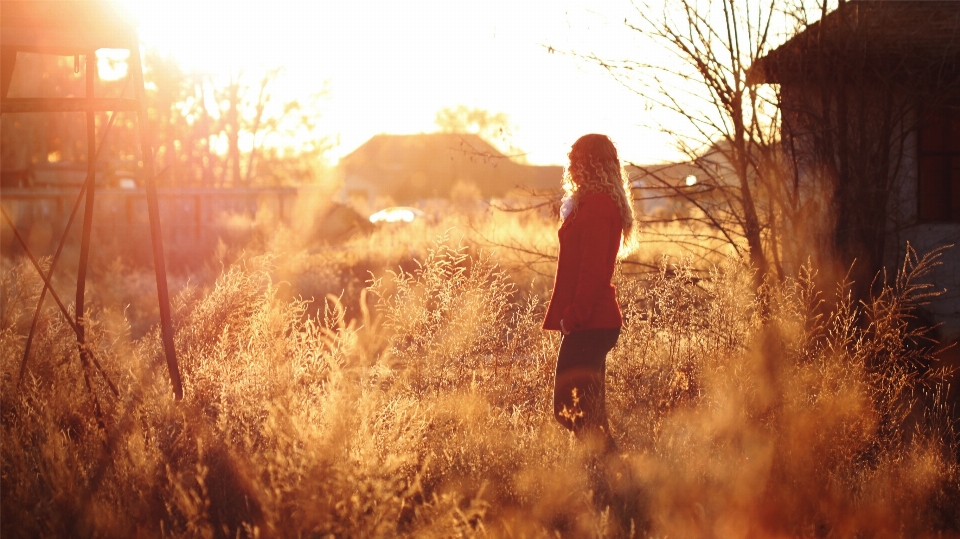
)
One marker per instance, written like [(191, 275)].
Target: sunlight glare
[(392, 66), (112, 63)]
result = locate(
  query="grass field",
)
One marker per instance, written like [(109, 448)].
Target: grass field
[(400, 385)]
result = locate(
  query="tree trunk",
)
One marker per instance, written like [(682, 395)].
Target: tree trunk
[(750, 219), (233, 134)]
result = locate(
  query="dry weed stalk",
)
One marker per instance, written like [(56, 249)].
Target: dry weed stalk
[(428, 415)]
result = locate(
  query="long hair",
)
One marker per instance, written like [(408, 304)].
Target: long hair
[(595, 168)]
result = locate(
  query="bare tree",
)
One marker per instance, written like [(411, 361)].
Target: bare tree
[(704, 83), (231, 128), (189, 112), (494, 128)]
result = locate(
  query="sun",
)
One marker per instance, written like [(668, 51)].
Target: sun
[(218, 36)]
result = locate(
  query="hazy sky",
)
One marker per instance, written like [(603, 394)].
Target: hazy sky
[(390, 66)]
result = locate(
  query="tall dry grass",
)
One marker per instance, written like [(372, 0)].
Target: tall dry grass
[(416, 403)]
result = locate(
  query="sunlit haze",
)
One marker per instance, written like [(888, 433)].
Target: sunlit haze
[(390, 66)]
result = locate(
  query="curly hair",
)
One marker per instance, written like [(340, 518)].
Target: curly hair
[(595, 167)]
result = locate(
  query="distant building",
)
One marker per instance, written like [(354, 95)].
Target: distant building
[(408, 168), (671, 189), (661, 190)]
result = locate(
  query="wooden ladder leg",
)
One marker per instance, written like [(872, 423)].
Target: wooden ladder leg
[(153, 211)]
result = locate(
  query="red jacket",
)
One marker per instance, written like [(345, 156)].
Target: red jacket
[(589, 241)]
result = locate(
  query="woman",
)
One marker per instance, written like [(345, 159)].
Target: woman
[(596, 215)]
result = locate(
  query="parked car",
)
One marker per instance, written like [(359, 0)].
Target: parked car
[(397, 214)]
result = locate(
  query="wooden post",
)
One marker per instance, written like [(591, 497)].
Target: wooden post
[(153, 211), (88, 210)]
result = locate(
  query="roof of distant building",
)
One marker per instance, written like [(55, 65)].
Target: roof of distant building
[(424, 165)]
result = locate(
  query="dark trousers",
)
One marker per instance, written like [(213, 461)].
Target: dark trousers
[(578, 392)]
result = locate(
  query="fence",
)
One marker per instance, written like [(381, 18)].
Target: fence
[(192, 219)]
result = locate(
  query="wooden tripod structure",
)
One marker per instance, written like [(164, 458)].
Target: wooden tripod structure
[(79, 28)]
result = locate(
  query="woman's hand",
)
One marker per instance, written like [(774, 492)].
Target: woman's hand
[(563, 328)]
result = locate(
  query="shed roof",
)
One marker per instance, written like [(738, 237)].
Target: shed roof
[(65, 27), (909, 37)]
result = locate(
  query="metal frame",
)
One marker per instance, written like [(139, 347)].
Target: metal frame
[(74, 29)]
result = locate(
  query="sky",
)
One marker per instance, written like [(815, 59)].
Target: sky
[(390, 66)]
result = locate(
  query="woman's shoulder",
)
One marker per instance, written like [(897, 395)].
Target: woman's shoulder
[(598, 201)]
